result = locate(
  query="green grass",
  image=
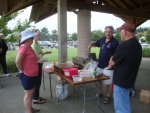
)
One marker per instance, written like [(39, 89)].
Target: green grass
[(72, 52)]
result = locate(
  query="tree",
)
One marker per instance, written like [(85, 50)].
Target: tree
[(118, 37), (97, 34), (54, 35), (141, 34), (140, 29), (73, 36), (22, 26), (17, 29), (148, 35), (45, 36), (4, 21)]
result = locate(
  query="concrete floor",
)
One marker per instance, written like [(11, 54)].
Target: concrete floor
[(11, 96)]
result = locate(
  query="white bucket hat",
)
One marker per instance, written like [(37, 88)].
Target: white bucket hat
[(26, 34)]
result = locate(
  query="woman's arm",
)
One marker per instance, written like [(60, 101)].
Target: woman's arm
[(46, 52), (19, 60)]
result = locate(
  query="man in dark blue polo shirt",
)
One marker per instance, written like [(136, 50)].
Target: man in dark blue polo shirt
[(108, 45), (126, 62)]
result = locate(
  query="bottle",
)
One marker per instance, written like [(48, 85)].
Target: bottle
[(53, 66), (94, 74), (133, 92)]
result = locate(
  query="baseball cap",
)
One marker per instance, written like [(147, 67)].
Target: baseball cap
[(128, 26)]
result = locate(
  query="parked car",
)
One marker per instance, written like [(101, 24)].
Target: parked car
[(10, 46), (45, 44), (75, 44), (56, 45), (144, 44)]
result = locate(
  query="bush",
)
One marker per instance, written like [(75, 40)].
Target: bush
[(11, 66), (146, 51), (54, 57)]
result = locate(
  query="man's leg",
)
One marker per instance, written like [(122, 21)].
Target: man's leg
[(108, 94), (121, 100), (4, 66), (109, 89)]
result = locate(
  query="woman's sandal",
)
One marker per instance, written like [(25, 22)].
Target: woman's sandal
[(34, 110), (96, 95), (39, 101), (106, 100)]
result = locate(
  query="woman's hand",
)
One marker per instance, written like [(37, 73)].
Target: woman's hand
[(46, 52)]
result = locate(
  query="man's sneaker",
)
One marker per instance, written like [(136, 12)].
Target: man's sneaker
[(7, 75)]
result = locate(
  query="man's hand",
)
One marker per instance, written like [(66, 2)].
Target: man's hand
[(89, 46), (0, 50), (111, 63)]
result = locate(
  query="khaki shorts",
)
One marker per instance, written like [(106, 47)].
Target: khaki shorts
[(105, 82)]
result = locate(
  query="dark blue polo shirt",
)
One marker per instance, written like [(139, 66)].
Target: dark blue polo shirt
[(106, 50)]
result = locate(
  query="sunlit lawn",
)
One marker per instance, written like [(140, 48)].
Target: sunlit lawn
[(72, 52)]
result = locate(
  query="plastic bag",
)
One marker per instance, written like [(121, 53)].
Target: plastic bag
[(42, 59), (91, 66)]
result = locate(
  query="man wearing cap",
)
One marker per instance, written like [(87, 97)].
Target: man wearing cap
[(3, 50), (126, 62)]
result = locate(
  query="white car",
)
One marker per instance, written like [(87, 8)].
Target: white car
[(45, 44), (144, 45)]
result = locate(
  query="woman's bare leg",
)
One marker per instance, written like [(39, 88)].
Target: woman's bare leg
[(28, 100)]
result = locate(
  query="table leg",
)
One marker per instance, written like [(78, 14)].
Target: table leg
[(50, 84), (84, 94), (74, 90), (98, 90), (43, 80)]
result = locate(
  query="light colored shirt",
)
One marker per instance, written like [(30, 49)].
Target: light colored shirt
[(37, 49), (29, 64)]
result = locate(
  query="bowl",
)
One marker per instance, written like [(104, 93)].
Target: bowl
[(77, 78)]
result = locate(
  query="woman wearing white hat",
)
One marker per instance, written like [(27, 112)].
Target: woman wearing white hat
[(26, 61)]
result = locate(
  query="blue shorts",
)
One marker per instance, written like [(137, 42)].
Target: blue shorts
[(27, 82)]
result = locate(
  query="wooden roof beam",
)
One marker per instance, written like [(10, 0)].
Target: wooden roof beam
[(142, 9), (45, 16), (123, 3), (4, 5), (54, 2), (118, 11), (133, 3), (21, 5)]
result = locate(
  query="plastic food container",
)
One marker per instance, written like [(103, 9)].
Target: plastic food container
[(110, 74), (85, 73), (69, 72), (77, 78)]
